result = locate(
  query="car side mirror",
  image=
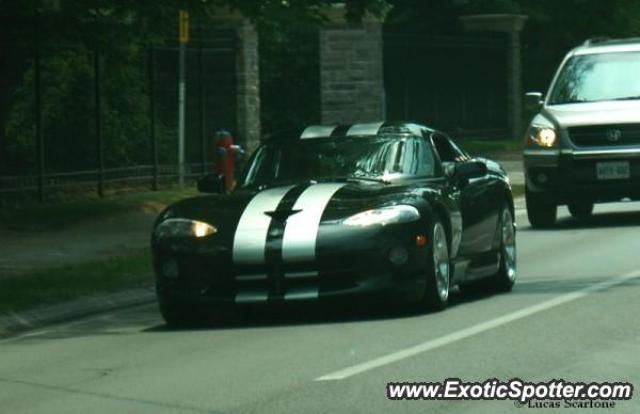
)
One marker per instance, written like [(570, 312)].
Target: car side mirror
[(533, 100), (211, 183), (449, 169), (239, 152), (471, 169)]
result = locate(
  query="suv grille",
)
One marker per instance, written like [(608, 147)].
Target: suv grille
[(605, 135)]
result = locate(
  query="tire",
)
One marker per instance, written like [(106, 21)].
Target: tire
[(177, 315), (504, 280), (436, 295), (581, 210), (540, 211)]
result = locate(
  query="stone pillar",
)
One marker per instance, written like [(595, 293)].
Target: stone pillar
[(248, 86), (247, 72), (512, 25), (351, 72)]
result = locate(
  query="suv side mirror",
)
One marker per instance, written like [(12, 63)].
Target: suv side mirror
[(471, 169), (533, 100), (211, 183)]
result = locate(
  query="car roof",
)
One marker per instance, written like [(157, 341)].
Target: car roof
[(604, 45), (364, 129)]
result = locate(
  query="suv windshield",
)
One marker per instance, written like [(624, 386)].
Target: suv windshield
[(379, 157), (598, 77)]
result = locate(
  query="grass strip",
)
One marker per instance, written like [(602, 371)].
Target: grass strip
[(481, 146), (68, 282), (61, 215)]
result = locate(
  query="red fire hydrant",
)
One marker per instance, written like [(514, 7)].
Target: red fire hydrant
[(225, 158)]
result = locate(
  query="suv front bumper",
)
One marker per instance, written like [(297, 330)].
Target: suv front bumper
[(566, 175)]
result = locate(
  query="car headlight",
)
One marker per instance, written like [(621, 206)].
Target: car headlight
[(383, 216), (184, 228), (543, 136), (542, 133)]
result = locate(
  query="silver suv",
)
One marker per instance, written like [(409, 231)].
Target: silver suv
[(583, 146)]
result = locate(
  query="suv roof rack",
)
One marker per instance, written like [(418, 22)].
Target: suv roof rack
[(595, 40)]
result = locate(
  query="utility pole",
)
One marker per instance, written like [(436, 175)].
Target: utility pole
[(183, 38)]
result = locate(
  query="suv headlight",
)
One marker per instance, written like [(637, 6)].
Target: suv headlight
[(177, 227), (543, 136), (384, 216), (541, 133)]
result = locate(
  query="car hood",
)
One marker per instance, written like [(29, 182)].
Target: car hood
[(594, 113), (317, 203)]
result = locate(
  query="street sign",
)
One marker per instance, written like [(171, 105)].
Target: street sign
[(183, 23)]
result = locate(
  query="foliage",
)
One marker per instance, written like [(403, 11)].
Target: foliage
[(290, 58), (553, 27), (120, 30)]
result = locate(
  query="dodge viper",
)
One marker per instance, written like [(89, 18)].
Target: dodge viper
[(394, 212)]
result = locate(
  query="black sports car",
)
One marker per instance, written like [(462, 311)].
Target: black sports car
[(389, 211)]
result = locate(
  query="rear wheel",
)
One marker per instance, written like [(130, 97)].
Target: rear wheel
[(540, 210), (438, 275), (581, 210)]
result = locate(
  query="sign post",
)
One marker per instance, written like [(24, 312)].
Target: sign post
[(183, 38)]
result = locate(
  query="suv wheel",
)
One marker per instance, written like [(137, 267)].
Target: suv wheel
[(540, 211), (581, 210)]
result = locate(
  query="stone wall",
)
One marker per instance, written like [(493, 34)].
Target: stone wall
[(351, 73), (248, 86)]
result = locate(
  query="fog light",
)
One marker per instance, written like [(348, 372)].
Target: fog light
[(542, 178), (398, 255), (170, 269)]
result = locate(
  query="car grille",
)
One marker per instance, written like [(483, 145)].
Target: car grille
[(278, 284), (605, 135)]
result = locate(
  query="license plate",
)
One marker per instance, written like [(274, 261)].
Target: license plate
[(615, 170)]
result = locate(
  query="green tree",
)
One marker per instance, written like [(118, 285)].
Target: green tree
[(120, 30)]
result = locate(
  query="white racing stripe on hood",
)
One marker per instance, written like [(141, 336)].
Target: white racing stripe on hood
[(301, 231), (251, 235)]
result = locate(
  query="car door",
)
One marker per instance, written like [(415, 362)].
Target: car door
[(479, 215)]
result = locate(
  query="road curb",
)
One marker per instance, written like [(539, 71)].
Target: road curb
[(23, 321)]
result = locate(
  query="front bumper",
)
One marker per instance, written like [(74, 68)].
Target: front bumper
[(353, 264), (569, 175)]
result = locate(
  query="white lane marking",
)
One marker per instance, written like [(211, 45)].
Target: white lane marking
[(251, 296), (317, 131), (364, 129), (250, 239), (301, 231), (476, 329)]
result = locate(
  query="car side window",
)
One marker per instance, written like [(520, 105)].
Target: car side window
[(447, 151)]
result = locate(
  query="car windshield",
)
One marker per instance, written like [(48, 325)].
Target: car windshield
[(379, 157), (598, 77)]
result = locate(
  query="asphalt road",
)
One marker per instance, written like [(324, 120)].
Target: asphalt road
[(573, 315)]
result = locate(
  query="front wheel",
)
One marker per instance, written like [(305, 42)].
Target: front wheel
[(438, 273), (540, 211), (504, 280), (178, 315)]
